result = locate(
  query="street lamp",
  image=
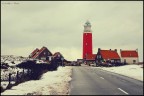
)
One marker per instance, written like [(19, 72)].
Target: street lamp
[(62, 61)]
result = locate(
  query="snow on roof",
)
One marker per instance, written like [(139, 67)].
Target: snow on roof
[(109, 54), (129, 53)]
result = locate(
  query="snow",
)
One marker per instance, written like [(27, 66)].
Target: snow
[(11, 61), (11, 58), (133, 71), (51, 83), (40, 61), (4, 84), (55, 82)]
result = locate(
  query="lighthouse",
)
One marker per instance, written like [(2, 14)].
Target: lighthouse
[(87, 40)]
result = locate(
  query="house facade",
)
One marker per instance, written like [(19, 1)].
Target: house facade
[(59, 58), (129, 56), (107, 56)]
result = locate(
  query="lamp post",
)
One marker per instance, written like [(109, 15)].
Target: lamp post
[(62, 61), (86, 58)]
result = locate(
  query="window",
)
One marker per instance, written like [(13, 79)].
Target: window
[(134, 61), (112, 61), (124, 60), (43, 58)]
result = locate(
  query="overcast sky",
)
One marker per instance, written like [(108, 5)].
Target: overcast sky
[(58, 25)]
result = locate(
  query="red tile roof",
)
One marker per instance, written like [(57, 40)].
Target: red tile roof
[(36, 50), (41, 50), (91, 57), (109, 54), (129, 53)]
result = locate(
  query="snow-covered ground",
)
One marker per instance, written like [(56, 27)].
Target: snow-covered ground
[(10, 62), (133, 71), (57, 82), (51, 83)]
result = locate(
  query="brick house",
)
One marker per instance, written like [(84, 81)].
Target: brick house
[(107, 56), (59, 58), (42, 54)]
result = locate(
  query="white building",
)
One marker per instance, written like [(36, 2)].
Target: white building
[(129, 56)]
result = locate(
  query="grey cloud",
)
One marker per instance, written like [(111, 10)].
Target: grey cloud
[(59, 24)]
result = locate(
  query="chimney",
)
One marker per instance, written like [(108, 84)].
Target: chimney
[(115, 50), (99, 49), (137, 50), (110, 49)]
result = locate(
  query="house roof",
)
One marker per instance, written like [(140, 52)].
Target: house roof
[(56, 54), (109, 54), (129, 53), (90, 57), (41, 50), (36, 50)]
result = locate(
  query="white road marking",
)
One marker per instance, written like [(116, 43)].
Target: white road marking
[(101, 77), (123, 91)]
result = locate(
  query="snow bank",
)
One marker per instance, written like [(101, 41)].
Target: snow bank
[(133, 71), (51, 83)]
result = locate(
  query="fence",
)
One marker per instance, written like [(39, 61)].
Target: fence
[(31, 71), (14, 78)]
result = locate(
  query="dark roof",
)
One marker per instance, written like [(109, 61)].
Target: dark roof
[(129, 53), (57, 53)]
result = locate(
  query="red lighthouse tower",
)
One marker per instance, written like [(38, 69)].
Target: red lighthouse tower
[(87, 40)]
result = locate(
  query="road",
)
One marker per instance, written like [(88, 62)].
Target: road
[(94, 81)]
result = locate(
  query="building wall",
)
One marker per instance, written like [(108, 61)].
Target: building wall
[(44, 55), (87, 43), (129, 60)]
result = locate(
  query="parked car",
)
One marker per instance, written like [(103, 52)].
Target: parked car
[(106, 64)]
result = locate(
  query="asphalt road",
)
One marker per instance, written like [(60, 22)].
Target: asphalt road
[(93, 81)]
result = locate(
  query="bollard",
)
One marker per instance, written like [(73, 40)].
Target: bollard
[(10, 77), (28, 72), (17, 77)]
